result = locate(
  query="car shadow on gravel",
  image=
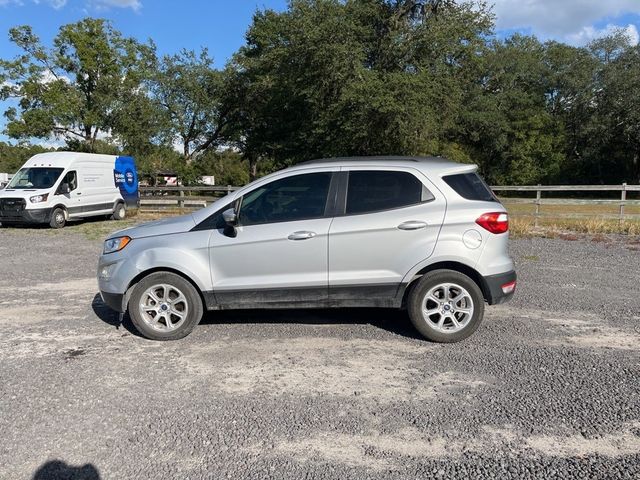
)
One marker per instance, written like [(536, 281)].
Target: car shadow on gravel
[(392, 320), (111, 317)]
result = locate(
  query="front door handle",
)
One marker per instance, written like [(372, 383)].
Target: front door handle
[(412, 225), (301, 235)]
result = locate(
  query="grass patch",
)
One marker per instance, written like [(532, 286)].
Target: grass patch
[(568, 227), (595, 210), (557, 221), (96, 228)]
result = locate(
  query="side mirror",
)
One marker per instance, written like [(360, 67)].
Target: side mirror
[(230, 217), (64, 188)]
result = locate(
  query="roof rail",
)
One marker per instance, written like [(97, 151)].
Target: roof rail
[(378, 158)]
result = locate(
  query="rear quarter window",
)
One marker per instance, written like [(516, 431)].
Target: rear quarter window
[(470, 186)]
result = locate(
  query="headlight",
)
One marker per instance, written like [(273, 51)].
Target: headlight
[(115, 244), (39, 198)]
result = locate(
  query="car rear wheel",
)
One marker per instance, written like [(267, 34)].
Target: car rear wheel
[(58, 218), (165, 306), (446, 306)]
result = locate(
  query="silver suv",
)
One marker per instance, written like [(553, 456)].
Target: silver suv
[(423, 234)]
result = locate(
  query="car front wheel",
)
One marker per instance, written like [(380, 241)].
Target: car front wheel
[(446, 306), (165, 306), (58, 218)]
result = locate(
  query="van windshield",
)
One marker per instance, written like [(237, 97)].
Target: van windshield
[(39, 177)]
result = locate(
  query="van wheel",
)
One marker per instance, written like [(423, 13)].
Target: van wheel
[(58, 218), (165, 306), (119, 212), (446, 306)]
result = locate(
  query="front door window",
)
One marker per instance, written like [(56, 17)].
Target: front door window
[(300, 197)]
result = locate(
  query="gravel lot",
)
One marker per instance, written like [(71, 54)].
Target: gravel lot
[(549, 387)]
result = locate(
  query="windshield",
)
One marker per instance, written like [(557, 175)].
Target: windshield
[(35, 178)]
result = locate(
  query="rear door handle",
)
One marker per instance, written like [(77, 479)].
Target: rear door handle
[(412, 225), (301, 235)]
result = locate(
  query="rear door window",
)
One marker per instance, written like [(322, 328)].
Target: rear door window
[(377, 190), (470, 186)]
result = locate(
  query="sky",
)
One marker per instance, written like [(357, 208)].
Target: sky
[(220, 25)]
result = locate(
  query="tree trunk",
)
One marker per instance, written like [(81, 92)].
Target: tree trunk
[(88, 137), (253, 167), (187, 152)]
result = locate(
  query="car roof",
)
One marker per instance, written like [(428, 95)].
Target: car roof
[(433, 165)]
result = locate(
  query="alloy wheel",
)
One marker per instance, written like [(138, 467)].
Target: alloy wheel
[(163, 307), (447, 307)]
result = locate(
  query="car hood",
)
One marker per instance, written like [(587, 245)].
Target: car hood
[(25, 193), (180, 224)]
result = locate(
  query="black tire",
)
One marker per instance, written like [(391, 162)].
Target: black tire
[(428, 325), (58, 218), (161, 332), (119, 212)]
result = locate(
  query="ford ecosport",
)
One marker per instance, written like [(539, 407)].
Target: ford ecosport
[(423, 234)]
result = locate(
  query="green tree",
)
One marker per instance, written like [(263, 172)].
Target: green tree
[(79, 88), (227, 166), (570, 100), (615, 127), (329, 78), (12, 157), (506, 120), (189, 92)]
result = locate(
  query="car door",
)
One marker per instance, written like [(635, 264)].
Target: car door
[(95, 190), (279, 251), (70, 200), (390, 221)]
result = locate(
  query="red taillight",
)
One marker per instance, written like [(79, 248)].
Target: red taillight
[(508, 287), (495, 222)]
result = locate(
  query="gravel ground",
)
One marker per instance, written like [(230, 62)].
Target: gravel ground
[(549, 387)]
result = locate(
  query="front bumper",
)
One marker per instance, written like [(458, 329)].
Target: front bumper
[(115, 301), (493, 287), (114, 276), (33, 216)]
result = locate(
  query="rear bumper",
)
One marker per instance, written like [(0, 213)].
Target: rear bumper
[(115, 301), (493, 287), (35, 215)]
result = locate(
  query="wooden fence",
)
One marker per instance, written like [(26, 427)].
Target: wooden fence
[(538, 202), (154, 198)]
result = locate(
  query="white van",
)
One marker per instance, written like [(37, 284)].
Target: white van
[(57, 187)]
